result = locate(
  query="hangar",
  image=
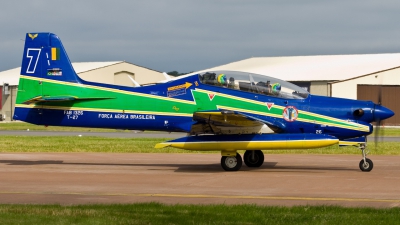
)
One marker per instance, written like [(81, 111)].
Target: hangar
[(359, 77), (118, 72)]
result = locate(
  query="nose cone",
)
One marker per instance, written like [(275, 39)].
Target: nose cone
[(382, 113)]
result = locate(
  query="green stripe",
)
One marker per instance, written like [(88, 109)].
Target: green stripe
[(133, 101)]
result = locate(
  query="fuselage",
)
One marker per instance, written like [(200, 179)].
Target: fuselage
[(170, 106)]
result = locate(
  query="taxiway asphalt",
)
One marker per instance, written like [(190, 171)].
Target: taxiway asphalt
[(83, 178)]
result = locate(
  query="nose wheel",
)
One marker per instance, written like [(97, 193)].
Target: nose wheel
[(366, 164)]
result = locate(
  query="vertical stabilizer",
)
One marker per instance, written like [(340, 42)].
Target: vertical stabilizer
[(45, 70), (45, 57)]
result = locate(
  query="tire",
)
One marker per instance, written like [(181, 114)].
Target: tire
[(367, 166), (258, 158), (231, 163)]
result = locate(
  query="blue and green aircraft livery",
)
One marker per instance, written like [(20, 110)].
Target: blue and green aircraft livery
[(220, 110)]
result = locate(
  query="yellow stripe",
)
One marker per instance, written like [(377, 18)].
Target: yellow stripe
[(53, 53), (211, 196)]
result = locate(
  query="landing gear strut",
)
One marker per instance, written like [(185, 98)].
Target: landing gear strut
[(231, 163), (366, 164), (253, 158)]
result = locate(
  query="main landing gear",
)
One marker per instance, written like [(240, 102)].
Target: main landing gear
[(253, 158), (231, 163), (366, 164)]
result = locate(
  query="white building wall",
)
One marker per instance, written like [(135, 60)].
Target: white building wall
[(107, 75), (8, 104), (319, 88), (348, 88)]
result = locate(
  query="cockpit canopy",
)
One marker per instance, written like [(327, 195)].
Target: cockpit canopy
[(254, 83)]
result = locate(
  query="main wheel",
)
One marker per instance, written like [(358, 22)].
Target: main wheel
[(253, 158), (367, 166), (231, 163)]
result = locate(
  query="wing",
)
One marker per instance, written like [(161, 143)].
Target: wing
[(231, 122), (231, 143), (353, 141)]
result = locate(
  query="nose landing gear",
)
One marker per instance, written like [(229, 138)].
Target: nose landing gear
[(366, 164)]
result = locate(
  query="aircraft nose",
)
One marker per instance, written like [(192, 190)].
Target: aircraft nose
[(382, 113)]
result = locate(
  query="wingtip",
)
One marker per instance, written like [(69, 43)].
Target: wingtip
[(162, 145)]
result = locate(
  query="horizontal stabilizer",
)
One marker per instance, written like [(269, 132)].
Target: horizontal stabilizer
[(251, 142), (61, 99)]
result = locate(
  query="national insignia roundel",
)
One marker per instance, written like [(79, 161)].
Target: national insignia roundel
[(290, 113)]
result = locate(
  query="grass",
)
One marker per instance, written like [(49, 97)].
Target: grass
[(25, 126), (384, 131), (143, 145), (155, 213), (146, 145), (388, 132), (82, 144)]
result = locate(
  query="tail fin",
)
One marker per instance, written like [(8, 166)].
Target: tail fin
[(45, 57), (45, 67)]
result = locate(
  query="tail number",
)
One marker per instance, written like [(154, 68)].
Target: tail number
[(73, 114), (33, 55)]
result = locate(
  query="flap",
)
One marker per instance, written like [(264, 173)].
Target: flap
[(236, 119), (226, 118)]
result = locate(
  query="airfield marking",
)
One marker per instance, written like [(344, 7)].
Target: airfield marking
[(213, 196)]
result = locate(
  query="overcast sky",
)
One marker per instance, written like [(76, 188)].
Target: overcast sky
[(186, 35)]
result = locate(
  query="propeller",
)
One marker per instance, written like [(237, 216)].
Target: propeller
[(378, 120)]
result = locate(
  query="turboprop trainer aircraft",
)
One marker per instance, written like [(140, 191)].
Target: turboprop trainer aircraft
[(220, 110)]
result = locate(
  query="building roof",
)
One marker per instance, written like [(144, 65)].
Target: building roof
[(12, 76), (315, 68), (81, 67)]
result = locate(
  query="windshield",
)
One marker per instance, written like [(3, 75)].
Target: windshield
[(254, 83)]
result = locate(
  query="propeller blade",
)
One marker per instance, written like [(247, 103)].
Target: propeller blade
[(377, 132), (378, 121), (380, 95), (133, 81)]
